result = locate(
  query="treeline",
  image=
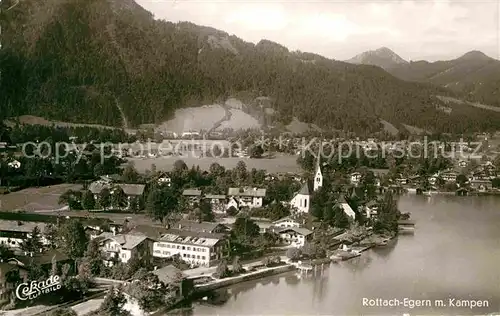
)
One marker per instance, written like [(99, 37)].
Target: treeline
[(19, 134), (92, 60)]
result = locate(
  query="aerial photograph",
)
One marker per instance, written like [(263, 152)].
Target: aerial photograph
[(249, 157)]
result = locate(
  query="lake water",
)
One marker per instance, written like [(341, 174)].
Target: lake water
[(454, 253)]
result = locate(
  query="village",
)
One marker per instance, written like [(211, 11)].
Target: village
[(147, 241)]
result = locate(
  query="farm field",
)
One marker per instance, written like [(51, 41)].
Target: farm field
[(278, 164), (35, 199)]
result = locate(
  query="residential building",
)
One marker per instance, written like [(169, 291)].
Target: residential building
[(195, 248), (301, 200), (295, 236), (218, 202), (130, 190), (449, 176), (123, 247), (481, 185), (6, 287), (286, 222), (170, 275), (248, 197), (14, 164), (13, 233), (355, 178), (43, 259), (462, 163), (164, 179), (192, 195), (232, 202)]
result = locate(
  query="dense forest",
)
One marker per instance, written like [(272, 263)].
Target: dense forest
[(109, 62)]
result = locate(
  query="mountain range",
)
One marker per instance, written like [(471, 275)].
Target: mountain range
[(110, 62), (475, 75)]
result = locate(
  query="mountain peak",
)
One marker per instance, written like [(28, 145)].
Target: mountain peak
[(474, 55), (382, 57)]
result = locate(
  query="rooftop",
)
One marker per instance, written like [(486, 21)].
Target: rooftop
[(298, 230), (215, 196), (192, 238), (191, 192), (129, 189), (169, 274), (22, 227), (254, 192), (40, 258), (201, 227), (127, 241)]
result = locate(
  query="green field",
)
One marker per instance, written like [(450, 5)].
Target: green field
[(278, 164)]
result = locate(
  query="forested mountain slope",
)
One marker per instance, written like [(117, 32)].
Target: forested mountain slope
[(95, 61)]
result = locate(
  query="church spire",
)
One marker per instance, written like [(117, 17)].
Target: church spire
[(318, 177)]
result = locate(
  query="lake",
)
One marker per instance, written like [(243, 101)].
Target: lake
[(453, 254)]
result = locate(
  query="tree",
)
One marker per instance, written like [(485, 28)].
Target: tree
[(63, 311), (240, 173), (94, 257), (33, 243), (88, 201), (161, 203), (179, 166), (73, 239), (149, 291), (118, 198), (495, 183), (113, 303), (222, 270), (293, 254), (51, 234), (84, 277), (105, 198), (245, 228), (71, 198), (237, 267), (461, 180), (5, 253), (232, 211), (130, 174), (256, 152), (55, 269)]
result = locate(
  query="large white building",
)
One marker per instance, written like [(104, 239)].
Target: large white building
[(195, 248), (301, 200)]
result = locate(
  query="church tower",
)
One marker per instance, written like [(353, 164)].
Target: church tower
[(318, 176)]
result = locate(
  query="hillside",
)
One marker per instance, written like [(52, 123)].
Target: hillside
[(474, 75), (109, 62), (382, 57)]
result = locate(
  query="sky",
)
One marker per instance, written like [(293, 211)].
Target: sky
[(415, 30)]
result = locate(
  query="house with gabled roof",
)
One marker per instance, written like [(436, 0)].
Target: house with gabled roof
[(248, 197), (130, 190), (193, 195), (295, 236), (301, 200), (123, 247), (217, 201)]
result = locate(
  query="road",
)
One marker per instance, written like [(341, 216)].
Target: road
[(207, 271)]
